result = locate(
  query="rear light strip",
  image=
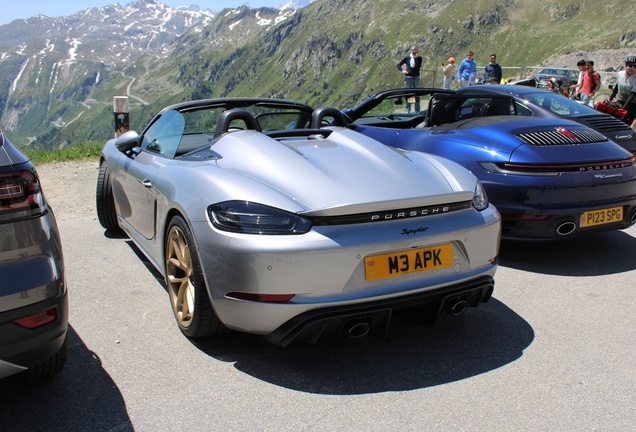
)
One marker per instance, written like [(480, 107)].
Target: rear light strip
[(20, 195), (263, 298), (38, 319), (579, 167)]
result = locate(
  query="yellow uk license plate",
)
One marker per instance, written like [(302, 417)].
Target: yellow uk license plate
[(409, 261), (600, 217)]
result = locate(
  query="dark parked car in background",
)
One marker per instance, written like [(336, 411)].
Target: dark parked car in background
[(33, 292), (541, 103), (565, 77)]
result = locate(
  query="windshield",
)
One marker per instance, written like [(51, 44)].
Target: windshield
[(558, 104), (176, 133), (403, 106)]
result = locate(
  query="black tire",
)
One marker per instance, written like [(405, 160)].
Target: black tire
[(50, 366), (105, 202), (189, 298)]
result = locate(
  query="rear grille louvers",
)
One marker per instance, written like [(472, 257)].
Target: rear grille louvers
[(603, 123), (557, 137)]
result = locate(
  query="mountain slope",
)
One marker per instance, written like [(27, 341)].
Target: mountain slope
[(331, 52)]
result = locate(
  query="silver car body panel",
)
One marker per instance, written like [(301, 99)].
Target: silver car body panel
[(31, 265), (345, 173)]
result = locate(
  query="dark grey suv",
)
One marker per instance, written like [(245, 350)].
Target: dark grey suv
[(33, 292)]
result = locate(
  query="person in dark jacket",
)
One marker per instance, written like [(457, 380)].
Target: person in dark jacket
[(492, 71), (412, 64)]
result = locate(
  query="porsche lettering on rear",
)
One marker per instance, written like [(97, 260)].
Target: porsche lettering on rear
[(408, 214)]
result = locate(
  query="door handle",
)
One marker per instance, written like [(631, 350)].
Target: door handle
[(147, 183)]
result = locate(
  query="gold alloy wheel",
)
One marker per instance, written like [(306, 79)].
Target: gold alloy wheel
[(180, 277)]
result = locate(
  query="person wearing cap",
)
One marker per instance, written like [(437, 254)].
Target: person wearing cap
[(467, 70), (492, 71), (449, 72), (625, 89), (412, 64)]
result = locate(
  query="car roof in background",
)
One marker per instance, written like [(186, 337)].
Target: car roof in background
[(546, 69), (524, 92), (514, 90)]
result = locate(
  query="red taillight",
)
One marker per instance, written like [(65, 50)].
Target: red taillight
[(20, 195), (38, 319), (269, 298)]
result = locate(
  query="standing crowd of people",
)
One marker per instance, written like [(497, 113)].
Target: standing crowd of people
[(589, 81), (466, 73)]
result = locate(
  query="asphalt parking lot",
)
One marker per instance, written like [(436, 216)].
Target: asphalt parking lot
[(554, 349)]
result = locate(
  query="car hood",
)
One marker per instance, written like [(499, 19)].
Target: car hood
[(344, 173)]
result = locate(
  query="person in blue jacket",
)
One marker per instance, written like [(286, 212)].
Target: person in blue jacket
[(467, 70)]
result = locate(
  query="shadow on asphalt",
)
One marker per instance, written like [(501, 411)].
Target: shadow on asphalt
[(151, 268), (594, 255), (82, 397), (411, 357)]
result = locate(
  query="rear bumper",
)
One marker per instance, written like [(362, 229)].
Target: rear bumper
[(425, 306), (22, 348), (564, 224)]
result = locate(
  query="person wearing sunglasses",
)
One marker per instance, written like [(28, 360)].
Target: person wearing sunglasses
[(625, 90)]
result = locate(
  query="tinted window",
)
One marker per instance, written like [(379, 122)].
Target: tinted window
[(558, 104), (522, 110)]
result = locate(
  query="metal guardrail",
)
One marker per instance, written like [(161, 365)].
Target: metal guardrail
[(434, 78)]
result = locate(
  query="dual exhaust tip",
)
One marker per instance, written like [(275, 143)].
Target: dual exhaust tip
[(360, 327)]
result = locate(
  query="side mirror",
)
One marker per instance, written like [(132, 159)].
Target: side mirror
[(398, 101), (127, 141)]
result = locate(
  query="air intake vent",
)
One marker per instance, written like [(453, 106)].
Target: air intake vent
[(561, 136), (604, 123)]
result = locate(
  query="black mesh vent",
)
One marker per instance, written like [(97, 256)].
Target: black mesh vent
[(561, 136), (603, 123)]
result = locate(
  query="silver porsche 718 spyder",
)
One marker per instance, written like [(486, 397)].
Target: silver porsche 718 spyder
[(268, 217)]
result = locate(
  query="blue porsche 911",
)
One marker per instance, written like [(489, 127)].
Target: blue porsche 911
[(550, 178)]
